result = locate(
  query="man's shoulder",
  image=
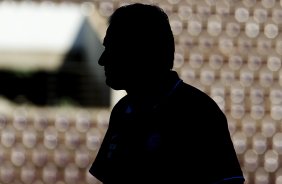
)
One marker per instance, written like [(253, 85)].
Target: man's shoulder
[(194, 100), (187, 92)]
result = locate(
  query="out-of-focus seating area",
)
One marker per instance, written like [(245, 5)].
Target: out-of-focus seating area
[(50, 145)]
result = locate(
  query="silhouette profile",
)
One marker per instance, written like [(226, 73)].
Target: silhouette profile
[(163, 131)]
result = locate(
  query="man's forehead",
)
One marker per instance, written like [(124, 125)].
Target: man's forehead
[(117, 36)]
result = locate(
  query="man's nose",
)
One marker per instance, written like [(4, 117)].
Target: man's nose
[(102, 59)]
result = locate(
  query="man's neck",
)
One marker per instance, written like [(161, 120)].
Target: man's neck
[(151, 92)]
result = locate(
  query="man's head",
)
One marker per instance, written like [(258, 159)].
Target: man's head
[(139, 46)]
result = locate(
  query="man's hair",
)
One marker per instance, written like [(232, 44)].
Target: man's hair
[(147, 25)]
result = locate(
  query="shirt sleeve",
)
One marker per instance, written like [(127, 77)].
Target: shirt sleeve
[(98, 168), (223, 163)]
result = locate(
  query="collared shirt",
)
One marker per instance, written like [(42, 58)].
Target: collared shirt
[(184, 138)]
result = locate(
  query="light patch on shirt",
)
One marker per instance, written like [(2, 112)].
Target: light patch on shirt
[(128, 110), (112, 147)]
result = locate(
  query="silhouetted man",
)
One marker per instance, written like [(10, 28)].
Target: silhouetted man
[(164, 130)]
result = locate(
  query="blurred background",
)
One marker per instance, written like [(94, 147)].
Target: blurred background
[(54, 105)]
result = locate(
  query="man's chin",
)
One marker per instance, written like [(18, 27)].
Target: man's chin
[(115, 85)]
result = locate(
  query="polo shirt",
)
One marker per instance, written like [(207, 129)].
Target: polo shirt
[(183, 138)]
